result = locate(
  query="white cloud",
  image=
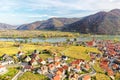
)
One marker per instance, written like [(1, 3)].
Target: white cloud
[(22, 11)]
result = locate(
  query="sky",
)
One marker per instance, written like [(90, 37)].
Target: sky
[(16, 12)]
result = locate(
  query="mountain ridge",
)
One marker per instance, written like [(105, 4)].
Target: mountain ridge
[(99, 23), (50, 24), (4, 26)]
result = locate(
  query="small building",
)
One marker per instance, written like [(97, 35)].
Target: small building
[(33, 62), (50, 60), (64, 58), (3, 70), (56, 77), (19, 54), (27, 68), (86, 77), (27, 59), (41, 61)]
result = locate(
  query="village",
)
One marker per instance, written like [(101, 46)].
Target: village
[(57, 67)]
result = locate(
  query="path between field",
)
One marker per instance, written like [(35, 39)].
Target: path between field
[(20, 73)]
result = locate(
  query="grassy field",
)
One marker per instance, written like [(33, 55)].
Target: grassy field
[(32, 76), (100, 76), (79, 52), (9, 75)]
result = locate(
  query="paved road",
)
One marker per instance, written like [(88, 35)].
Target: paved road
[(13, 65), (92, 73), (20, 73)]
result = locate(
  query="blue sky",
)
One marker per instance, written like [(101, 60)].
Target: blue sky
[(17, 12)]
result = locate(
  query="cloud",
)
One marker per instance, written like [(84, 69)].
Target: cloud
[(22, 11)]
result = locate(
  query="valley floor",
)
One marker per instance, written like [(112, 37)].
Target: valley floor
[(81, 60)]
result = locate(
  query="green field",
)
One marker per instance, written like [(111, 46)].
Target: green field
[(71, 51), (32, 76), (9, 75), (78, 52)]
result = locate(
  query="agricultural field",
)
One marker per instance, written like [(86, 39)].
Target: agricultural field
[(73, 52), (79, 52), (70, 51), (32, 76)]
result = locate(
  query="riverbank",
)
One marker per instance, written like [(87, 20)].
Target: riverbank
[(35, 33)]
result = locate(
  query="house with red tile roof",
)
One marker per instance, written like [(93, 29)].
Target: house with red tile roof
[(44, 69), (57, 59), (87, 66), (56, 77), (27, 68), (91, 43), (77, 62), (51, 67), (86, 77), (33, 62), (73, 76), (19, 54), (57, 64), (41, 61), (35, 56), (115, 66), (65, 67), (110, 73), (77, 68)]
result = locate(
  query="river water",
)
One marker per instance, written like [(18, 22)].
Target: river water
[(63, 39)]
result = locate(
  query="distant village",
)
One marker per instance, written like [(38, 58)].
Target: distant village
[(57, 67)]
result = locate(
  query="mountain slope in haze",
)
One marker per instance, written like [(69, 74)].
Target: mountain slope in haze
[(99, 23), (50, 24), (4, 26), (30, 26)]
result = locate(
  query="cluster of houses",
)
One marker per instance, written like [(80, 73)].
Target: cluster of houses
[(110, 58), (6, 60), (56, 68), (110, 61)]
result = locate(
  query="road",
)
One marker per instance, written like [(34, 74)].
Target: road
[(92, 73), (13, 65), (20, 73)]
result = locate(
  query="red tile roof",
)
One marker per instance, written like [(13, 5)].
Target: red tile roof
[(1, 66), (57, 77), (115, 66), (86, 77), (60, 69), (65, 67), (110, 72), (77, 61)]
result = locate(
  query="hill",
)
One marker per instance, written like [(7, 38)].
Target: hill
[(4, 26), (30, 26), (50, 24), (99, 23)]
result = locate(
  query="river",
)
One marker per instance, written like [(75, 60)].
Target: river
[(63, 39)]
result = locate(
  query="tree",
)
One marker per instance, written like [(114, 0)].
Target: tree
[(67, 40), (26, 41), (75, 39)]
